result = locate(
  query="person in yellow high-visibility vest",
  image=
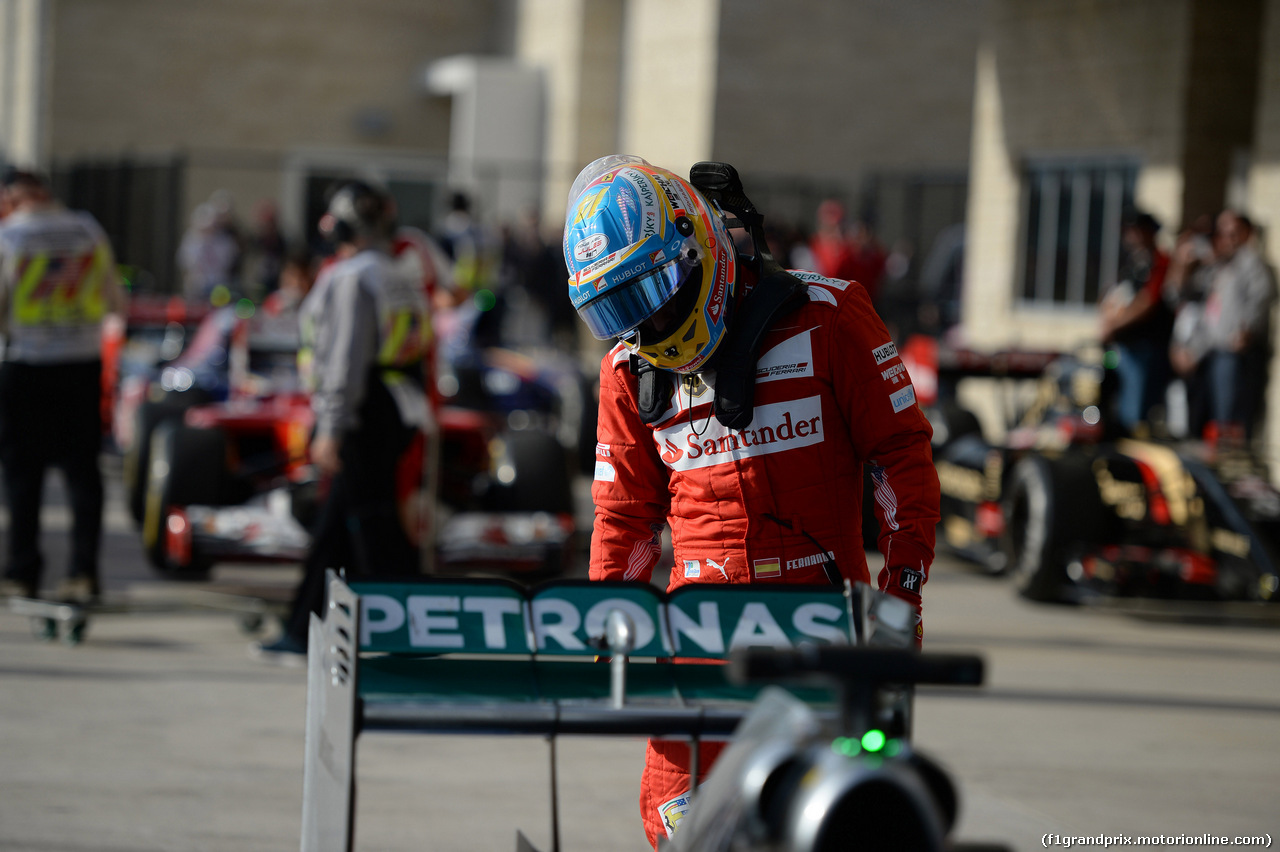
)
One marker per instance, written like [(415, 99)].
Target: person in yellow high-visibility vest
[(58, 282)]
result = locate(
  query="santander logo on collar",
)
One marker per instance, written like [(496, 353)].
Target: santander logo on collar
[(775, 428)]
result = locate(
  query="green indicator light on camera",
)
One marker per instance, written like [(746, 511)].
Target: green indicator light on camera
[(846, 746), (485, 300), (1111, 360), (893, 748), (873, 740), (245, 309)]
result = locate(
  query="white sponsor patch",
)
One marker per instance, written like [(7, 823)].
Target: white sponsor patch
[(884, 353), (790, 359), (815, 278), (893, 372), (904, 398), (692, 568), (605, 472), (586, 273), (590, 247), (602, 449), (821, 294), (809, 561), (774, 428)]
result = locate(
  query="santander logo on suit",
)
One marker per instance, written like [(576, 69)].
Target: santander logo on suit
[(774, 428)]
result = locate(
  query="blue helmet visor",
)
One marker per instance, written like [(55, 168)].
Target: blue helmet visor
[(617, 311)]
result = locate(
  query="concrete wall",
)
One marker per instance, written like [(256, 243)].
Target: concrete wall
[(830, 91), (821, 90), (1221, 99), (242, 84), (1066, 77)]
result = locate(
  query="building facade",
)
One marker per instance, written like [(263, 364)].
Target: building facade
[(140, 105), (1086, 108)]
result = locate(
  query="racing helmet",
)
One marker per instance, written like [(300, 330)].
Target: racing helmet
[(357, 209), (650, 262)]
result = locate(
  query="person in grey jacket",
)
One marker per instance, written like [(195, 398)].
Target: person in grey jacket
[(368, 326), (1239, 298)]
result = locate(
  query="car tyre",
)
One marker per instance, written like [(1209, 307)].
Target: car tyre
[(542, 480), (187, 466), (137, 456), (951, 421), (1051, 507)]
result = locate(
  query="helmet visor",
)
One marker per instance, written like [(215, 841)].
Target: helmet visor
[(617, 312)]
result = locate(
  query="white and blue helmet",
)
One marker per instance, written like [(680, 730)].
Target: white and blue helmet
[(650, 262)]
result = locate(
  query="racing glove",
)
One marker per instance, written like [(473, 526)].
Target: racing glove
[(904, 581)]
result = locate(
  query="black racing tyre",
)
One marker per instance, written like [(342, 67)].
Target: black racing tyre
[(187, 466), (137, 455), (1052, 510), (542, 479), (940, 787), (951, 421)]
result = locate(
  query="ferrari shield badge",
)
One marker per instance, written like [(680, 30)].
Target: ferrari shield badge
[(673, 811)]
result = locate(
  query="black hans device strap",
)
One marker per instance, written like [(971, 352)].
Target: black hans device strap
[(655, 389), (774, 297)]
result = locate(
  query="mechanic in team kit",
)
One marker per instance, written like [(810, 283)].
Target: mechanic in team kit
[(368, 326), (739, 407), (58, 282)]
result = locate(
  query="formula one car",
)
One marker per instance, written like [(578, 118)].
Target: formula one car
[(1073, 508), (229, 480)]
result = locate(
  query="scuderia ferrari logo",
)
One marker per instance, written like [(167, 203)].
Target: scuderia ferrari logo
[(774, 428)]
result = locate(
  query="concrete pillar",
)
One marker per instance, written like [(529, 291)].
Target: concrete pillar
[(577, 45), (991, 249), (1263, 203), (621, 76), (24, 95), (671, 52)]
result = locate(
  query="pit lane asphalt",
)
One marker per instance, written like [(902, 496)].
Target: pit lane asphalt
[(160, 732)]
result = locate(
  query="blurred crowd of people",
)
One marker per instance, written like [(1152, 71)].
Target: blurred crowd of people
[(514, 272), (1191, 328), (1187, 319), (912, 293)]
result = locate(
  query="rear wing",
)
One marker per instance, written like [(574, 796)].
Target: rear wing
[(439, 655)]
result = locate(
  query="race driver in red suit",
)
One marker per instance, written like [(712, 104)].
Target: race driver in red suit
[(774, 494)]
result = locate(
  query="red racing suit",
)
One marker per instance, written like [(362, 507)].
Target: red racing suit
[(763, 504)]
